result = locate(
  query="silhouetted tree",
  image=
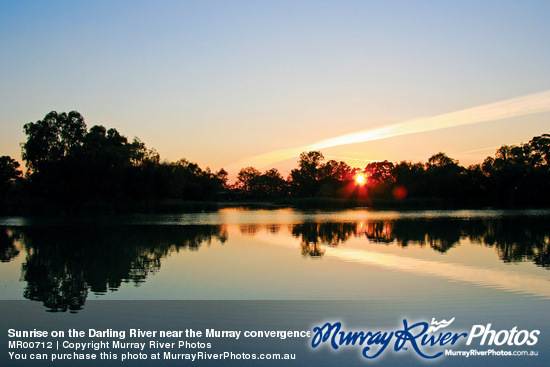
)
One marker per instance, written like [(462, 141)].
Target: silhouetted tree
[(52, 138), (65, 161), (520, 175), (538, 150), (222, 176), (246, 177), (339, 171), (477, 190), (313, 178), (380, 179), (445, 178), (272, 184), (411, 177), (380, 172), (333, 177), (9, 171), (304, 180), (255, 185)]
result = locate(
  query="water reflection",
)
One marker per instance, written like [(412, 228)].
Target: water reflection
[(527, 240), (8, 250), (63, 264), (314, 234), (515, 239)]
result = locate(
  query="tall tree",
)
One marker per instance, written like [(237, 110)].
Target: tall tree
[(444, 177), (380, 172), (246, 177), (9, 171), (52, 138), (305, 179)]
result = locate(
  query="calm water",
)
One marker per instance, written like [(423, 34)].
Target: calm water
[(281, 269), (439, 256)]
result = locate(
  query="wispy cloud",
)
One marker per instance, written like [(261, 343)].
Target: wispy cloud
[(519, 106), (479, 150), (349, 159)]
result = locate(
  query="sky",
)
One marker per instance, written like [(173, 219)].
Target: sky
[(227, 83)]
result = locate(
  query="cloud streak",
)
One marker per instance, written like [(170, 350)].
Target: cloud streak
[(519, 106)]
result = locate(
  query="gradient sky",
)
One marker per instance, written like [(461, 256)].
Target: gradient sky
[(219, 82)]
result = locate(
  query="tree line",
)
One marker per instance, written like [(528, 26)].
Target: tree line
[(66, 163)]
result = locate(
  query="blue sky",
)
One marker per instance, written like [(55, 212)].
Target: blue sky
[(217, 82)]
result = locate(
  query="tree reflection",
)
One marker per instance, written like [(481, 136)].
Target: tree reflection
[(8, 250), (313, 235), (250, 229), (378, 231), (520, 239), (64, 264), (440, 234), (514, 238)]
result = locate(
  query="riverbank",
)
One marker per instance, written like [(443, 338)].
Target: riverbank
[(44, 207)]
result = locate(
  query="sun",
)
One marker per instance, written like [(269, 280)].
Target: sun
[(360, 179)]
